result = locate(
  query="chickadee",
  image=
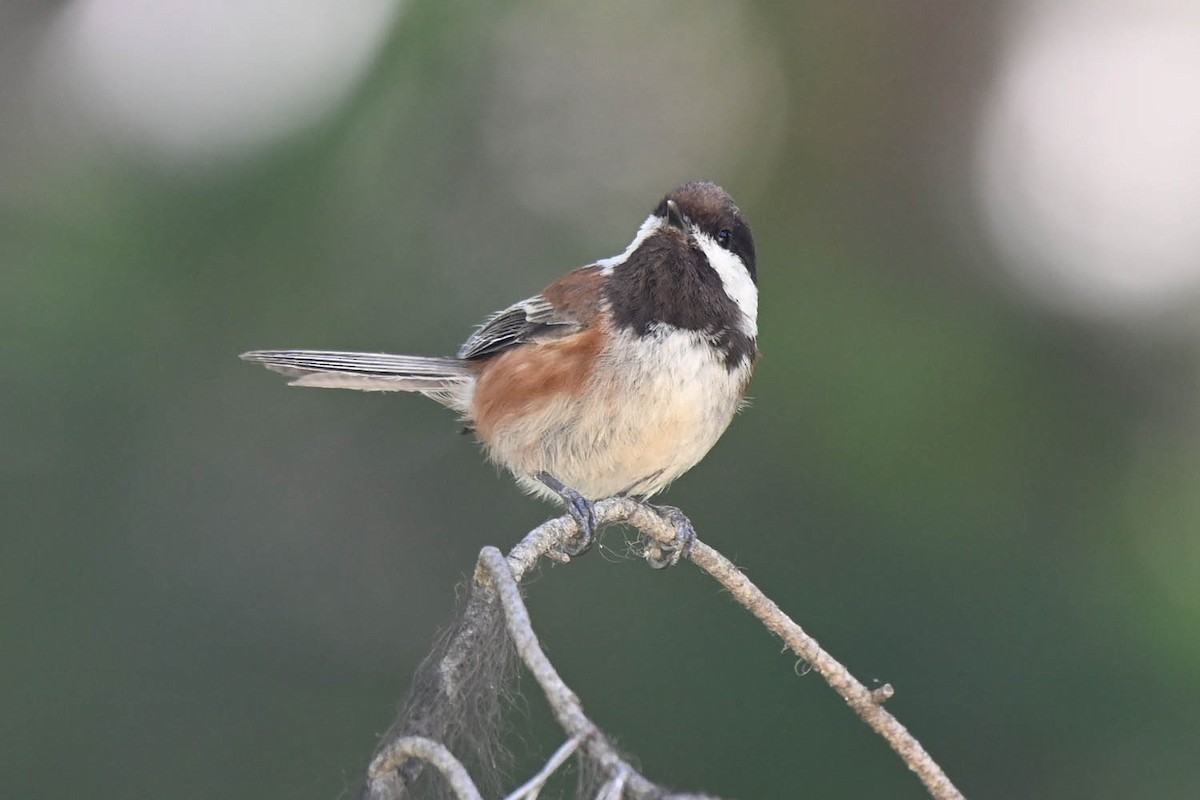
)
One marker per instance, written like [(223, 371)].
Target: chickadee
[(614, 380)]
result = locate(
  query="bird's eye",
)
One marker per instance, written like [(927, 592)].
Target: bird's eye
[(724, 238)]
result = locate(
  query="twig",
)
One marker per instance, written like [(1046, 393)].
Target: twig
[(529, 790), (430, 752), (494, 568), (504, 575), (866, 704), (613, 789)]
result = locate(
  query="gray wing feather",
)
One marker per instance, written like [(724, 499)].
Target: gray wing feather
[(527, 321)]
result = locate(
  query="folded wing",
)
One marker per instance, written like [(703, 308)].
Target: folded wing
[(527, 321)]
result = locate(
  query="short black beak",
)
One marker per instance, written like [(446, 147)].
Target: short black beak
[(675, 217)]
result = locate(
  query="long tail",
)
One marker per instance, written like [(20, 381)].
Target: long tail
[(446, 380)]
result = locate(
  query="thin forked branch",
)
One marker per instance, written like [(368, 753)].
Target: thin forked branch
[(498, 578)]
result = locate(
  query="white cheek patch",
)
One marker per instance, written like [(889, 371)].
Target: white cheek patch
[(735, 278), (651, 225)]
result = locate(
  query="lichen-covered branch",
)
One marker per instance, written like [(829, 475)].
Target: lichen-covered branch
[(462, 676), (430, 752)]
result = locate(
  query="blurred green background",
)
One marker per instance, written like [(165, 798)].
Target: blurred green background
[(969, 469)]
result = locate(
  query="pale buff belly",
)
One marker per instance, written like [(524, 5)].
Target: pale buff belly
[(646, 417)]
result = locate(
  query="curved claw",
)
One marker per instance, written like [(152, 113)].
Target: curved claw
[(580, 509), (659, 555)]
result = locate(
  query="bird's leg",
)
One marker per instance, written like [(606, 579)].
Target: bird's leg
[(580, 509), (660, 555)]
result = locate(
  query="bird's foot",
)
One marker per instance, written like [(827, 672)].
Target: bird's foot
[(661, 555), (580, 509)]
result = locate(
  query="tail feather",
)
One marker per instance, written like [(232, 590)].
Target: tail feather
[(443, 379)]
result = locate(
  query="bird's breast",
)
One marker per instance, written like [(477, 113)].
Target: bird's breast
[(619, 413)]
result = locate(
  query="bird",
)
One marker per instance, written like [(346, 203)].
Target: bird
[(614, 380)]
